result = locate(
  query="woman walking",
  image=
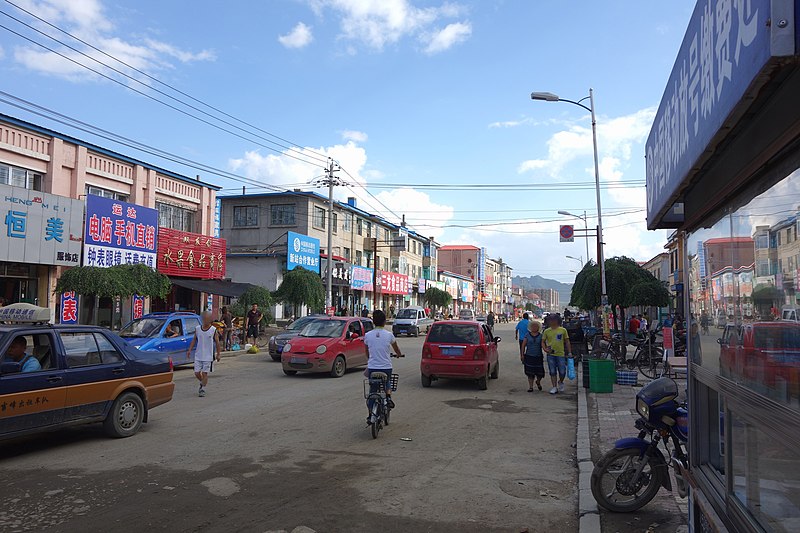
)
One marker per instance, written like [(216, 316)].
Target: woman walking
[(531, 355)]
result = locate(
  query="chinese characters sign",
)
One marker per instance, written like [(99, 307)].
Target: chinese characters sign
[(69, 308), (39, 228), (138, 307), (393, 283), (119, 233), (361, 278), (190, 255), (340, 275), (302, 251), (725, 47)]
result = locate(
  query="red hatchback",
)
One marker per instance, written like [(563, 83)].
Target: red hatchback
[(329, 345), (460, 349)]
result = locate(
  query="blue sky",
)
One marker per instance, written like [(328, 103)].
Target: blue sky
[(399, 91)]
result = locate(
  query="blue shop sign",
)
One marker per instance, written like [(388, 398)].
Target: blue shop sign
[(726, 46), (302, 251), (119, 233)]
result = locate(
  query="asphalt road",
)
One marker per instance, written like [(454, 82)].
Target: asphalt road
[(266, 452)]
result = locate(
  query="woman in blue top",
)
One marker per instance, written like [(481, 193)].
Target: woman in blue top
[(531, 355)]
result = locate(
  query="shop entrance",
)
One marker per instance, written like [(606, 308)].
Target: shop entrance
[(18, 283)]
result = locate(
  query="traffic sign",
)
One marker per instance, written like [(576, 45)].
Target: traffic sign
[(566, 234)]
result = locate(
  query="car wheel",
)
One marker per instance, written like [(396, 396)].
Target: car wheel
[(426, 381), (339, 367), (483, 383), (290, 372), (126, 416), (416, 332), (276, 358), (496, 372)]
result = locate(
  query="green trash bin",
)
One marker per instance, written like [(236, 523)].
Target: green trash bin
[(602, 375)]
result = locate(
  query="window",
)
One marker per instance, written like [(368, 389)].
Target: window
[(369, 229), (359, 257), (762, 242), (318, 220), (108, 354), (347, 254), (191, 325), (359, 226), (173, 329), (245, 216), (348, 222), (175, 217), (33, 352), (282, 215), (386, 263), (19, 177), (335, 222), (88, 349), (105, 193), (368, 325)]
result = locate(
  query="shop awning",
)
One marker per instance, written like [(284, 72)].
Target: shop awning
[(218, 287)]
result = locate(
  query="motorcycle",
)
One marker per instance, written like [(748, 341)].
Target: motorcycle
[(628, 477)]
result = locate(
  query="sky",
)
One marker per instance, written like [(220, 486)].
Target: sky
[(406, 95)]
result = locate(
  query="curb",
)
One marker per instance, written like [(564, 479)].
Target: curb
[(587, 506)]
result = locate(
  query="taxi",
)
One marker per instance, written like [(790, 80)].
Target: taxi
[(52, 376)]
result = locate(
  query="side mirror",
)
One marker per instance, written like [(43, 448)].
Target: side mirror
[(719, 341), (497, 339), (10, 367)]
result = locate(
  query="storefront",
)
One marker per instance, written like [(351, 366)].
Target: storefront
[(41, 232), (723, 169), (392, 289), (341, 298)]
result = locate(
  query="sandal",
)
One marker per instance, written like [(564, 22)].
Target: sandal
[(530, 390), (539, 385)]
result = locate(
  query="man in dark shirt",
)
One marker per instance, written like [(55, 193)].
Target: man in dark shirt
[(254, 316), (364, 312), (227, 318)]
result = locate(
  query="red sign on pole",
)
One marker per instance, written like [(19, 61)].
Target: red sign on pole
[(190, 255), (566, 233)]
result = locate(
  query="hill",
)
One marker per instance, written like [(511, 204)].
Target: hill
[(534, 282)]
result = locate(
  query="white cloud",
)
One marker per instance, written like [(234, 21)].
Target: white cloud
[(355, 136), (87, 20), (377, 23), (299, 37), (430, 223), (450, 35)]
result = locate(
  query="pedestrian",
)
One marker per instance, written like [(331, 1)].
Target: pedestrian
[(490, 320), (532, 356), (522, 329), (668, 321), (254, 317), (227, 318), (633, 325), (364, 312), (206, 339), (555, 342), (391, 310), (643, 324)]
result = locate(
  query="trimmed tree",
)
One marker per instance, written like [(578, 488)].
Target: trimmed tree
[(301, 287), (121, 281), (436, 297), (254, 295)]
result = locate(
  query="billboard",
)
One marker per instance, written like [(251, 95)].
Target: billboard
[(69, 308), (393, 283), (119, 233), (361, 278), (40, 228), (190, 255), (302, 251)]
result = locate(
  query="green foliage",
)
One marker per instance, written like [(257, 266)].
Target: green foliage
[(121, 280), (438, 298), (627, 284), (302, 287), (254, 295)]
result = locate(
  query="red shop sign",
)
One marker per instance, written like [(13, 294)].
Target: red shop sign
[(190, 255), (393, 283)]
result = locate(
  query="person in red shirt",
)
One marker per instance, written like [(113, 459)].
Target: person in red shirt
[(633, 325)]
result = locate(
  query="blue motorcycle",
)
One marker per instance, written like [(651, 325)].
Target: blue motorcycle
[(628, 477)]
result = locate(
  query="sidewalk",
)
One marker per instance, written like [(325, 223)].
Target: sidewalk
[(611, 417)]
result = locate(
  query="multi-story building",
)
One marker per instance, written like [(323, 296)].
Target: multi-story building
[(36, 159), (676, 251), (659, 267), (550, 299), (467, 261)]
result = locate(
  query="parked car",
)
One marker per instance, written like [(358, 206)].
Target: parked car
[(460, 349), (165, 333), (277, 342), (330, 345), (466, 314), (481, 318), (411, 321), (57, 376)]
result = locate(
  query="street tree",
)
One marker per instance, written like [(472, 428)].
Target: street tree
[(121, 281), (254, 295), (301, 287), (436, 297)]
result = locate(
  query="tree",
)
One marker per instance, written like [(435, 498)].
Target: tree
[(301, 287), (121, 281), (254, 295), (437, 298)]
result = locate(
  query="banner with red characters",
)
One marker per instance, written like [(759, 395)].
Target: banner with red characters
[(190, 255)]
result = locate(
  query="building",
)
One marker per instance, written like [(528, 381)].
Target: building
[(33, 160), (723, 169), (469, 262), (550, 299), (676, 250), (659, 267)]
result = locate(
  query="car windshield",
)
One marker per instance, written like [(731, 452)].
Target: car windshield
[(465, 313), (142, 327), (323, 328), (300, 323), (407, 313), (454, 333)]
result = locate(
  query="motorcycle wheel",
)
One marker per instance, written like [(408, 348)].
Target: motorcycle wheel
[(613, 487)]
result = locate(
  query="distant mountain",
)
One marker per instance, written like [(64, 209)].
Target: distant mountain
[(534, 282)]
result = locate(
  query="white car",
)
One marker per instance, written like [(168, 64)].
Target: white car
[(411, 321), (466, 314)]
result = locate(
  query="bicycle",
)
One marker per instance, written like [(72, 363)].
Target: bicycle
[(375, 390)]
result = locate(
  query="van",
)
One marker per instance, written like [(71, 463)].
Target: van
[(467, 314), (411, 320)]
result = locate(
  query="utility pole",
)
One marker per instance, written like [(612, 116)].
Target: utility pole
[(331, 181)]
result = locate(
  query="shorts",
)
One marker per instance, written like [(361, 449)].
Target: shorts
[(252, 331), (202, 366), (557, 363)]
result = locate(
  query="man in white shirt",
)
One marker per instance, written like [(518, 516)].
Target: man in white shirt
[(642, 324), (209, 347), (379, 358)]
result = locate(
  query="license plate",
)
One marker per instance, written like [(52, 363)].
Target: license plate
[(452, 351), (298, 360)]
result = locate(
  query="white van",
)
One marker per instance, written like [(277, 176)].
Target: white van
[(466, 314), (411, 321)]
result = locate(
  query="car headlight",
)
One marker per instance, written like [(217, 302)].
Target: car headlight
[(287, 347), (642, 408), (272, 341), (321, 349)]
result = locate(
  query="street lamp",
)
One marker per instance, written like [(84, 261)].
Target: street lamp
[(550, 97), (580, 260), (585, 226)]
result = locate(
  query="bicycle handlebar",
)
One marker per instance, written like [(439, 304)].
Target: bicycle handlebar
[(401, 355)]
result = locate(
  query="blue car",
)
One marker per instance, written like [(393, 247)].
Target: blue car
[(165, 333)]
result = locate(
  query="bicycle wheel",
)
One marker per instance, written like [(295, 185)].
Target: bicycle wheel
[(651, 363), (377, 420), (386, 412), (262, 340)]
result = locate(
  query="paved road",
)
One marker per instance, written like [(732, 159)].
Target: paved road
[(266, 452)]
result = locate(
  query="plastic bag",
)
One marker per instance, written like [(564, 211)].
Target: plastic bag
[(571, 368)]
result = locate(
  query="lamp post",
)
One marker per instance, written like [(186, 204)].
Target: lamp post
[(585, 227), (580, 260), (550, 97)]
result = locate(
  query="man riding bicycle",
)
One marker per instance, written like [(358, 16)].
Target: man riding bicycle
[(379, 358)]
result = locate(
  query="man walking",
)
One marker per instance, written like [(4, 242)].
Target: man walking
[(522, 329), (207, 341), (253, 319), (227, 318), (555, 342)]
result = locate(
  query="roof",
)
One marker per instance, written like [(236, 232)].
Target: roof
[(458, 247), (100, 150)]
